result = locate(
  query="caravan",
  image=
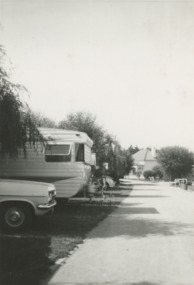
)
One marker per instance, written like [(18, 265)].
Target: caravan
[(59, 156)]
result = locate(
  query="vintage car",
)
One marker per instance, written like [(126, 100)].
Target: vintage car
[(21, 200)]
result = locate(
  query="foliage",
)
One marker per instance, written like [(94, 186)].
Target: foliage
[(42, 121), (105, 146), (16, 126), (120, 161), (124, 162), (133, 150), (86, 122), (158, 171), (149, 173), (176, 161)]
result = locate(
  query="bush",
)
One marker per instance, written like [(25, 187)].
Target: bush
[(149, 173), (176, 161)]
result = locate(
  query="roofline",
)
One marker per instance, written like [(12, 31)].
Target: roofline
[(50, 134)]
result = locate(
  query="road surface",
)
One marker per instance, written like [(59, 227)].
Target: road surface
[(148, 240)]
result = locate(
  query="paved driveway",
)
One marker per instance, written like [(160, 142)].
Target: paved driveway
[(148, 240)]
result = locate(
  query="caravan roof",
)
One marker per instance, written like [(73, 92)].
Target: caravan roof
[(59, 135)]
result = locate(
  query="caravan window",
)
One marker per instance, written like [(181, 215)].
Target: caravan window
[(79, 152), (57, 153)]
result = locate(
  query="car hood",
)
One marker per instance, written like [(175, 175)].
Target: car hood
[(24, 188), (17, 181)]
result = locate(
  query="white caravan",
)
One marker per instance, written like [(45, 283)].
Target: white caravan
[(61, 157)]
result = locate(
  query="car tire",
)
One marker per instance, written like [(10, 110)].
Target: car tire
[(16, 216)]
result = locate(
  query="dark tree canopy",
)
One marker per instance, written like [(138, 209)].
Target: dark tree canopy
[(156, 172), (148, 174), (133, 150), (42, 121), (16, 126), (106, 147), (176, 161), (86, 122)]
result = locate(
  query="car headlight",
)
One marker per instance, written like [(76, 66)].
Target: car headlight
[(52, 195)]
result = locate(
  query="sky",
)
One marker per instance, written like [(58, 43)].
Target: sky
[(130, 63)]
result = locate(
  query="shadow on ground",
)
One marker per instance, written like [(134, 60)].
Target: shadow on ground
[(24, 261), (137, 227), (145, 283), (137, 210), (148, 196), (28, 257), (110, 283)]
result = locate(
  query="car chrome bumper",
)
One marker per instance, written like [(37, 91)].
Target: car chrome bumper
[(47, 205)]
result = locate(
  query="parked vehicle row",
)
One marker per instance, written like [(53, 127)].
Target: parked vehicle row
[(58, 165), (20, 201), (59, 156)]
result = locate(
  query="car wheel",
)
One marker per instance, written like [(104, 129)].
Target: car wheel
[(16, 216)]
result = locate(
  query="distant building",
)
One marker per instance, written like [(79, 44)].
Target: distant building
[(145, 159)]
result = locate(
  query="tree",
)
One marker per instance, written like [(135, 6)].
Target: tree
[(176, 161), (158, 171), (124, 162), (148, 174), (16, 126), (120, 161), (42, 121), (86, 122), (133, 150), (105, 146)]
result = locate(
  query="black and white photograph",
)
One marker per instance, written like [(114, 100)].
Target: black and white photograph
[(96, 142)]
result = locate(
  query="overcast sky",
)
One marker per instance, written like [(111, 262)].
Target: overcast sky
[(129, 62)]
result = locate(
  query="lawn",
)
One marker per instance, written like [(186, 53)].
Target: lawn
[(28, 257), (69, 225)]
